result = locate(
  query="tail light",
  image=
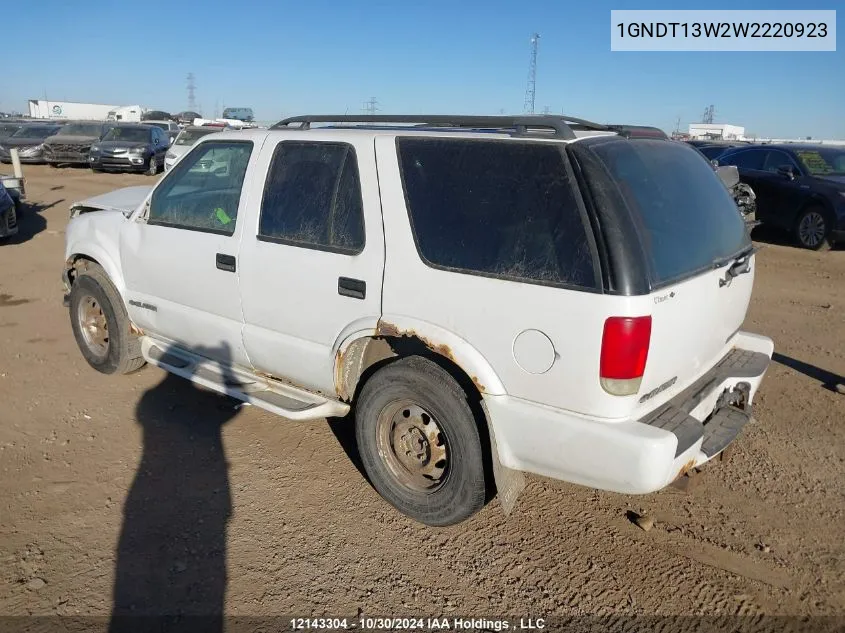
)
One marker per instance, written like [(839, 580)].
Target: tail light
[(624, 351)]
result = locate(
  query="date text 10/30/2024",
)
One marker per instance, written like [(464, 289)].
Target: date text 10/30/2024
[(415, 624)]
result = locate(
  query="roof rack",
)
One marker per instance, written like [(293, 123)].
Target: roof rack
[(561, 126)]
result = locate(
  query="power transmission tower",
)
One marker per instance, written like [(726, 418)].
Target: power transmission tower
[(546, 110), (531, 89), (371, 106), (192, 101), (709, 114)]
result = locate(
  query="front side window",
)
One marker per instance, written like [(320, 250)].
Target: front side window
[(496, 208), (313, 198), (203, 190), (776, 159)]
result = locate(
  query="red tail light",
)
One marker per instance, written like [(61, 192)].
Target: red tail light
[(624, 351)]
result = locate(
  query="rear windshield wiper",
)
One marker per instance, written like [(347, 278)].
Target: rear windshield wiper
[(738, 264)]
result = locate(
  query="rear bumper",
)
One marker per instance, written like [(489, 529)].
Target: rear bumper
[(635, 456)]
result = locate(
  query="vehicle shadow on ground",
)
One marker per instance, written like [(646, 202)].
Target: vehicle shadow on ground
[(171, 556), (778, 237), (344, 432), (30, 222), (828, 379)]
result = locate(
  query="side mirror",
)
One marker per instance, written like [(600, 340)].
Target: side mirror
[(787, 171)]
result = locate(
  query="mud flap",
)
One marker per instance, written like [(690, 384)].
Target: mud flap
[(509, 482)]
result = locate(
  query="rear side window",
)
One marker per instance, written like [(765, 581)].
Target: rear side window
[(312, 198), (496, 208), (685, 216), (746, 159)]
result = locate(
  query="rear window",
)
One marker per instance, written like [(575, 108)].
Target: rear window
[(686, 218), (496, 208)]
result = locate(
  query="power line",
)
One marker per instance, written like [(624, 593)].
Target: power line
[(531, 88)]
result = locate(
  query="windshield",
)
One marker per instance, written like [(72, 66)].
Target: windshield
[(686, 218), (189, 137), (243, 114), (823, 161), (129, 134), (34, 132), (81, 129)]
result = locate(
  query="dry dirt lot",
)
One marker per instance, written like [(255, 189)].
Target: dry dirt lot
[(146, 492)]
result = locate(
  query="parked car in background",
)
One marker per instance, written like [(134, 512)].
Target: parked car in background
[(128, 146), (71, 144), (799, 188), (8, 213), (185, 141), (187, 117), (29, 141), (155, 115), (239, 114), (170, 128), (7, 128), (616, 360)]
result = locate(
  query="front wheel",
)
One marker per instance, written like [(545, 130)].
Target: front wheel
[(152, 168), (101, 326), (812, 229), (419, 442)]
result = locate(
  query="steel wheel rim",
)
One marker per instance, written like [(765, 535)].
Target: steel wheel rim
[(93, 325), (413, 445), (812, 229)]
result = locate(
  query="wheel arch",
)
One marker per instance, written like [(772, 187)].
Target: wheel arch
[(80, 258)]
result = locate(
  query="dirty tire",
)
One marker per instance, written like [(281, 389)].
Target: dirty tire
[(123, 355), (812, 228), (422, 382), (152, 166)]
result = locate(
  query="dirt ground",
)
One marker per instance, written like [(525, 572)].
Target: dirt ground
[(146, 492)]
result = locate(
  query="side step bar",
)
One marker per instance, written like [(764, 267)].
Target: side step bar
[(277, 397)]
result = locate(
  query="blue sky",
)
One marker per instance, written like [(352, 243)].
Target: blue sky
[(284, 58)]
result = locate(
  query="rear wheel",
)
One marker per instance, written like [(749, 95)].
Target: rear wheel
[(101, 326), (419, 442), (812, 228)]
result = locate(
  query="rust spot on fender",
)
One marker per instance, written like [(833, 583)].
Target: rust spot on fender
[(385, 328), (686, 468), (134, 329), (338, 375)]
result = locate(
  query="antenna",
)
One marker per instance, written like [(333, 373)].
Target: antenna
[(371, 106), (531, 89), (192, 101)]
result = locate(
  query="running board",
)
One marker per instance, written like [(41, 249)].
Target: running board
[(277, 397)]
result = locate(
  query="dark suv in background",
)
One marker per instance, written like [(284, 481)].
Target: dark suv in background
[(128, 146), (799, 188)]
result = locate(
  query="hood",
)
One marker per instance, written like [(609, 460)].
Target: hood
[(121, 144), (124, 200), (71, 140), (836, 180)]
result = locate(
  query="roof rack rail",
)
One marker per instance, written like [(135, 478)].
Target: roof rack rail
[(562, 126)]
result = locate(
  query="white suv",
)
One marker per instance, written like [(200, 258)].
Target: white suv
[(486, 294)]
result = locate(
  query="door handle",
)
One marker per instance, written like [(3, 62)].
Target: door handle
[(226, 262), (355, 288)]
